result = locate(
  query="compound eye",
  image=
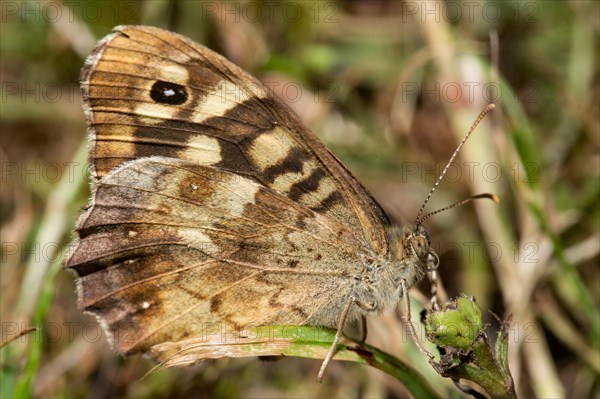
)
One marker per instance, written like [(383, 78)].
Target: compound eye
[(423, 232), (420, 245)]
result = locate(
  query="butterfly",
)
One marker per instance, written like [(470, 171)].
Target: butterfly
[(212, 202)]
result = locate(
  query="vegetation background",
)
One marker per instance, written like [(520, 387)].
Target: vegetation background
[(390, 87)]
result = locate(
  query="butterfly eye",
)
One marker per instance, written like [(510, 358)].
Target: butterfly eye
[(425, 234), (168, 93), (420, 246)]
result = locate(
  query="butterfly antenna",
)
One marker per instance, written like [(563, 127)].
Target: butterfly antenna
[(472, 198), (420, 220)]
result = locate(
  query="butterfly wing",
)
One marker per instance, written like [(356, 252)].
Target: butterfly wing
[(211, 201), (171, 249), (217, 114)]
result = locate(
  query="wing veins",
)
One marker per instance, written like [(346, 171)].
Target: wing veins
[(137, 114), (152, 278)]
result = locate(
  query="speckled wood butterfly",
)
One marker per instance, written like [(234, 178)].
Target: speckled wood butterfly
[(213, 203)]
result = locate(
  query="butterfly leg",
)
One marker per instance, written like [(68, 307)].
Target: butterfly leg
[(411, 326), (340, 330), (363, 329)]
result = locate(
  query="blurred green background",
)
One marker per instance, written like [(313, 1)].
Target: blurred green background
[(390, 87)]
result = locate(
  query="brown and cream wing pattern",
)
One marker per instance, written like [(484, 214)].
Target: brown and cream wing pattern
[(149, 92), (211, 202), (171, 249)]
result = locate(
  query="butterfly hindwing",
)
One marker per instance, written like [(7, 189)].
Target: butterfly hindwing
[(170, 246)]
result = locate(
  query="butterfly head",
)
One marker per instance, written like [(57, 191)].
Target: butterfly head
[(418, 246), (410, 249)]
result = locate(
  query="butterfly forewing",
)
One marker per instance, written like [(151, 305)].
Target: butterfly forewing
[(228, 119), (211, 201)]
